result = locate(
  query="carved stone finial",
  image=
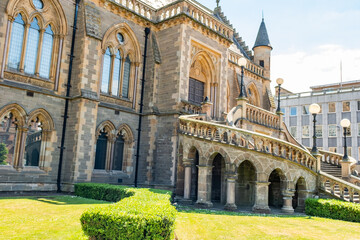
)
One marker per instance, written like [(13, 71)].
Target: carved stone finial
[(217, 3)]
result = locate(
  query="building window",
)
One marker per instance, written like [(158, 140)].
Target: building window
[(16, 43), (293, 131), (120, 38), (101, 149), (8, 131), (196, 91), (332, 107), (32, 47), (115, 73), (113, 148), (349, 151), (118, 153), (359, 131), (346, 106), (348, 131), (261, 63), (305, 131), (305, 109), (332, 149), (358, 105), (332, 130), (126, 81), (293, 111), (38, 4), (46, 53), (318, 131), (33, 143)]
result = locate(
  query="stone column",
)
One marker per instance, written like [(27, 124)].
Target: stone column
[(242, 113), (187, 178), (261, 198), (345, 168), (230, 194), (287, 202), (206, 108), (204, 186)]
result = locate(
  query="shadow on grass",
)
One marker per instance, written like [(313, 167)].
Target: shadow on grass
[(187, 209), (58, 200)]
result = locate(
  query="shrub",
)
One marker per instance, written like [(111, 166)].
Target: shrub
[(334, 209), (3, 154), (106, 192), (142, 214)]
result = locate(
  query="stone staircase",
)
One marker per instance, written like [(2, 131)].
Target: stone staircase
[(331, 169)]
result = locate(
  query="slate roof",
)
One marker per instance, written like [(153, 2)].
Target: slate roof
[(262, 38)]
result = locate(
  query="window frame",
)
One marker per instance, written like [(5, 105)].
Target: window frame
[(343, 109), (332, 125), (293, 113)]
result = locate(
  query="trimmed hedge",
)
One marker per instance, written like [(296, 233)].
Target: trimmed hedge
[(105, 192), (141, 214), (334, 209)]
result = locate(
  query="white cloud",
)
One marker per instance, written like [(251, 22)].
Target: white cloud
[(301, 69)]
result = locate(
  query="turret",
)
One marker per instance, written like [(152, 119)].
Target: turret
[(262, 49)]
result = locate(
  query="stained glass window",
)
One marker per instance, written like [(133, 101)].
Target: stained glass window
[(32, 47), (100, 156), (126, 79), (116, 74), (46, 53), (118, 153), (106, 72), (16, 43), (38, 4)]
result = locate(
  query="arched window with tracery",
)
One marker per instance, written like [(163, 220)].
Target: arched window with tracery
[(121, 58), (118, 153), (34, 39), (8, 134), (33, 143)]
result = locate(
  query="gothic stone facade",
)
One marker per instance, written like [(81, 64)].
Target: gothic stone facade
[(193, 53)]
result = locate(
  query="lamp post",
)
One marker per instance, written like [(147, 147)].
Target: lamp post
[(314, 109), (242, 63), (345, 123), (279, 81)]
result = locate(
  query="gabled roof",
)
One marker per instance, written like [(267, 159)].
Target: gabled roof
[(262, 38)]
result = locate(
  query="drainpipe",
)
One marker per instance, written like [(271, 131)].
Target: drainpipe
[(147, 32), (68, 86)]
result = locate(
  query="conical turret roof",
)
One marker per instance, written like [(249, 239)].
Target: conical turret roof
[(262, 38)]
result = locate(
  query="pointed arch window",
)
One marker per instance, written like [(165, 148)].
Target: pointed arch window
[(106, 72), (33, 144), (116, 74), (101, 147), (126, 80), (46, 53), (118, 153), (8, 134), (16, 43), (32, 47)]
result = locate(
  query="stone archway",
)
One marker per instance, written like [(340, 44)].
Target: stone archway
[(194, 175), (218, 185), (277, 185), (180, 173), (300, 195), (245, 184)]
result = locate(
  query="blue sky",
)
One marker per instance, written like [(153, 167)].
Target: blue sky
[(309, 38)]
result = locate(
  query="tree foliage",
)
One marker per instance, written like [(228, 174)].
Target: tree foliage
[(3, 153)]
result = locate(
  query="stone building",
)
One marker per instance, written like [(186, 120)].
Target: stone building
[(145, 93), (337, 101)]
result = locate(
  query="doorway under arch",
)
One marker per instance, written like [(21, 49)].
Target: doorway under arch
[(277, 184), (218, 180), (300, 195), (245, 184)]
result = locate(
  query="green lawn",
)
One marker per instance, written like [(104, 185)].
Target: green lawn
[(57, 217)]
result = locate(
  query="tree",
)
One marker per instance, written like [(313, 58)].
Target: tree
[(3, 153)]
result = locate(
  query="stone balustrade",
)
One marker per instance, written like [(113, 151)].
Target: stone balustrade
[(138, 7), (235, 57), (260, 116), (339, 188), (355, 180), (189, 108), (331, 157), (189, 125)]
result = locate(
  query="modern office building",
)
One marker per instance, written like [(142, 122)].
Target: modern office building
[(337, 101)]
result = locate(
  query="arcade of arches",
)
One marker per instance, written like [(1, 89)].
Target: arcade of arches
[(211, 173)]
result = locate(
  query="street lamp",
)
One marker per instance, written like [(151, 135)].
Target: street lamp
[(314, 109), (345, 123), (279, 81), (242, 63)]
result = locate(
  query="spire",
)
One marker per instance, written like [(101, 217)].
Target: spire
[(262, 38), (217, 3)]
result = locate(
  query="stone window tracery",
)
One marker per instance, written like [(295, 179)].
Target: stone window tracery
[(34, 41), (26, 141), (114, 148)]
